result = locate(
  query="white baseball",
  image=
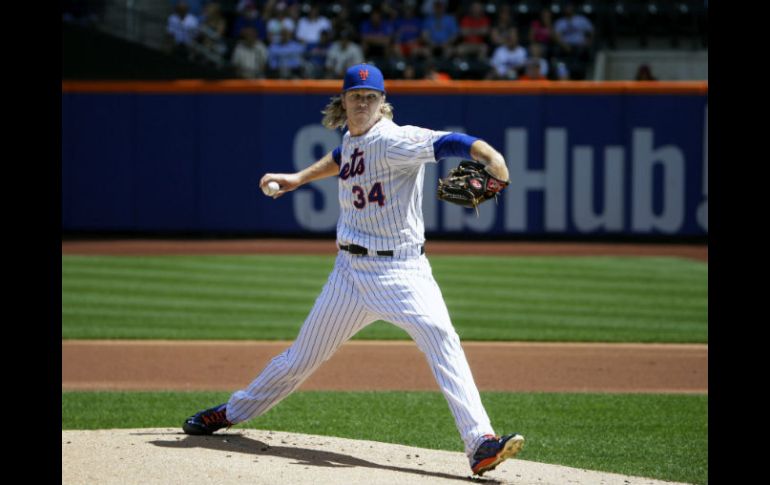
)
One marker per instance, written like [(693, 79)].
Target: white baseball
[(271, 188)]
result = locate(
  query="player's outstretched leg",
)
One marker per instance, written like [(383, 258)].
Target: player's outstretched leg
[(417, 305), (335, 317)]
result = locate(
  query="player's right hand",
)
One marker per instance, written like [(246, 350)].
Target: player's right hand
[(287, 181)]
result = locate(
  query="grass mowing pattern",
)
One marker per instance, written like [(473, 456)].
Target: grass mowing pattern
[(658, 436), (610, 299)]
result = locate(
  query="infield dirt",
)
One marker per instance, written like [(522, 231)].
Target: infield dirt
[(398, 365)]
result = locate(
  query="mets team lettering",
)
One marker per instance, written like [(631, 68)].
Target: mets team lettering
[(352, 169)]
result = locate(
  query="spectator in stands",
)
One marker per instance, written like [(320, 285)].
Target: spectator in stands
[(560, 72), (541, 31), (277, 22), (376, 35), (241, 5), (286, 57), (309, 27), (474, 32), (213, 19), (195, 7), (410, 72), (341, 21), (644, 73), (408, 33), (389, 9), (440, 31), (343, 54), (294, 13), (426, 8), (502, 25), (316, 54), (182, 28), (532, 71), (574, 35), (536, 53), (212, 30), (250, 55), (432, 73), (509, 59), (248, 16)]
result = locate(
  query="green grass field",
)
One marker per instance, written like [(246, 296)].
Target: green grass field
[(658, 436), (605, 299), (602, 299)]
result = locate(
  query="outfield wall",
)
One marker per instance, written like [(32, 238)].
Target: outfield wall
[(586, 159)]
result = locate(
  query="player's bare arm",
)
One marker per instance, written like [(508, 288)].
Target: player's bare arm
[(494, 162), (325, 167)]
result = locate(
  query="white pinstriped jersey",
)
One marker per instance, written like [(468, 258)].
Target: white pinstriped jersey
[(380, 186)]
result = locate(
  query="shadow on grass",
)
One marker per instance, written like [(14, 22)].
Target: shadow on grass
[(235, 443)]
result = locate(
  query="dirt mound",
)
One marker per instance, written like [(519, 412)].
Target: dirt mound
[(168, 456)]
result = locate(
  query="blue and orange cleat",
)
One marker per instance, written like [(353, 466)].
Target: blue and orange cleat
[(207, 421), (494, 450)]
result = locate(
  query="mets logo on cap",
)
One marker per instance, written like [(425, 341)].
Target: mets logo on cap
[(363, 76)]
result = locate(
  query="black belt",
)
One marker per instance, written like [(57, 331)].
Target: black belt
[(362, 251)]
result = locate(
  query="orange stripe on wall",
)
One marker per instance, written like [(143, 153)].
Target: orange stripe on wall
[(331, 87)]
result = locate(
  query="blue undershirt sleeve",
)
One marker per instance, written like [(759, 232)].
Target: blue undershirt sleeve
[(337, 155), (453, 145)]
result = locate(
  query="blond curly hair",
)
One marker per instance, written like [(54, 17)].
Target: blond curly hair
[(335, 117)]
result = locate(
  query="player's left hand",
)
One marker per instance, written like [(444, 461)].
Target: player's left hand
[(469, 184)]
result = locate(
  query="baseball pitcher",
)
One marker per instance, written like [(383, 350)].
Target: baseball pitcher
[(381, 271)]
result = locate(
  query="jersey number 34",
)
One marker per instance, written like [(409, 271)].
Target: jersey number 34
[(375, 195)]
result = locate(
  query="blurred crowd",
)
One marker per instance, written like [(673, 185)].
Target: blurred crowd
[(406, 39)]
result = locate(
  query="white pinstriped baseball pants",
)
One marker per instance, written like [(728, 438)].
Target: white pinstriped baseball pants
[(361, 290)]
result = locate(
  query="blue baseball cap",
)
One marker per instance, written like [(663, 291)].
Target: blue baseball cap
[(363, 76)]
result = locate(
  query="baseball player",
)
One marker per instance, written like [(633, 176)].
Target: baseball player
[(381, 271)]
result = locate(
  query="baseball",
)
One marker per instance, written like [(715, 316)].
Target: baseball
[(271, 188)]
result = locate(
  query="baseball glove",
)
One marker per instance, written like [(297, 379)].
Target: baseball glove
[(469, 184)]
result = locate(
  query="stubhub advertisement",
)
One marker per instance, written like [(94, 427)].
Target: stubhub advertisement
[(613, 164)]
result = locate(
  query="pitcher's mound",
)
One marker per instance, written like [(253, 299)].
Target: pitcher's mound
[(167, 456)]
